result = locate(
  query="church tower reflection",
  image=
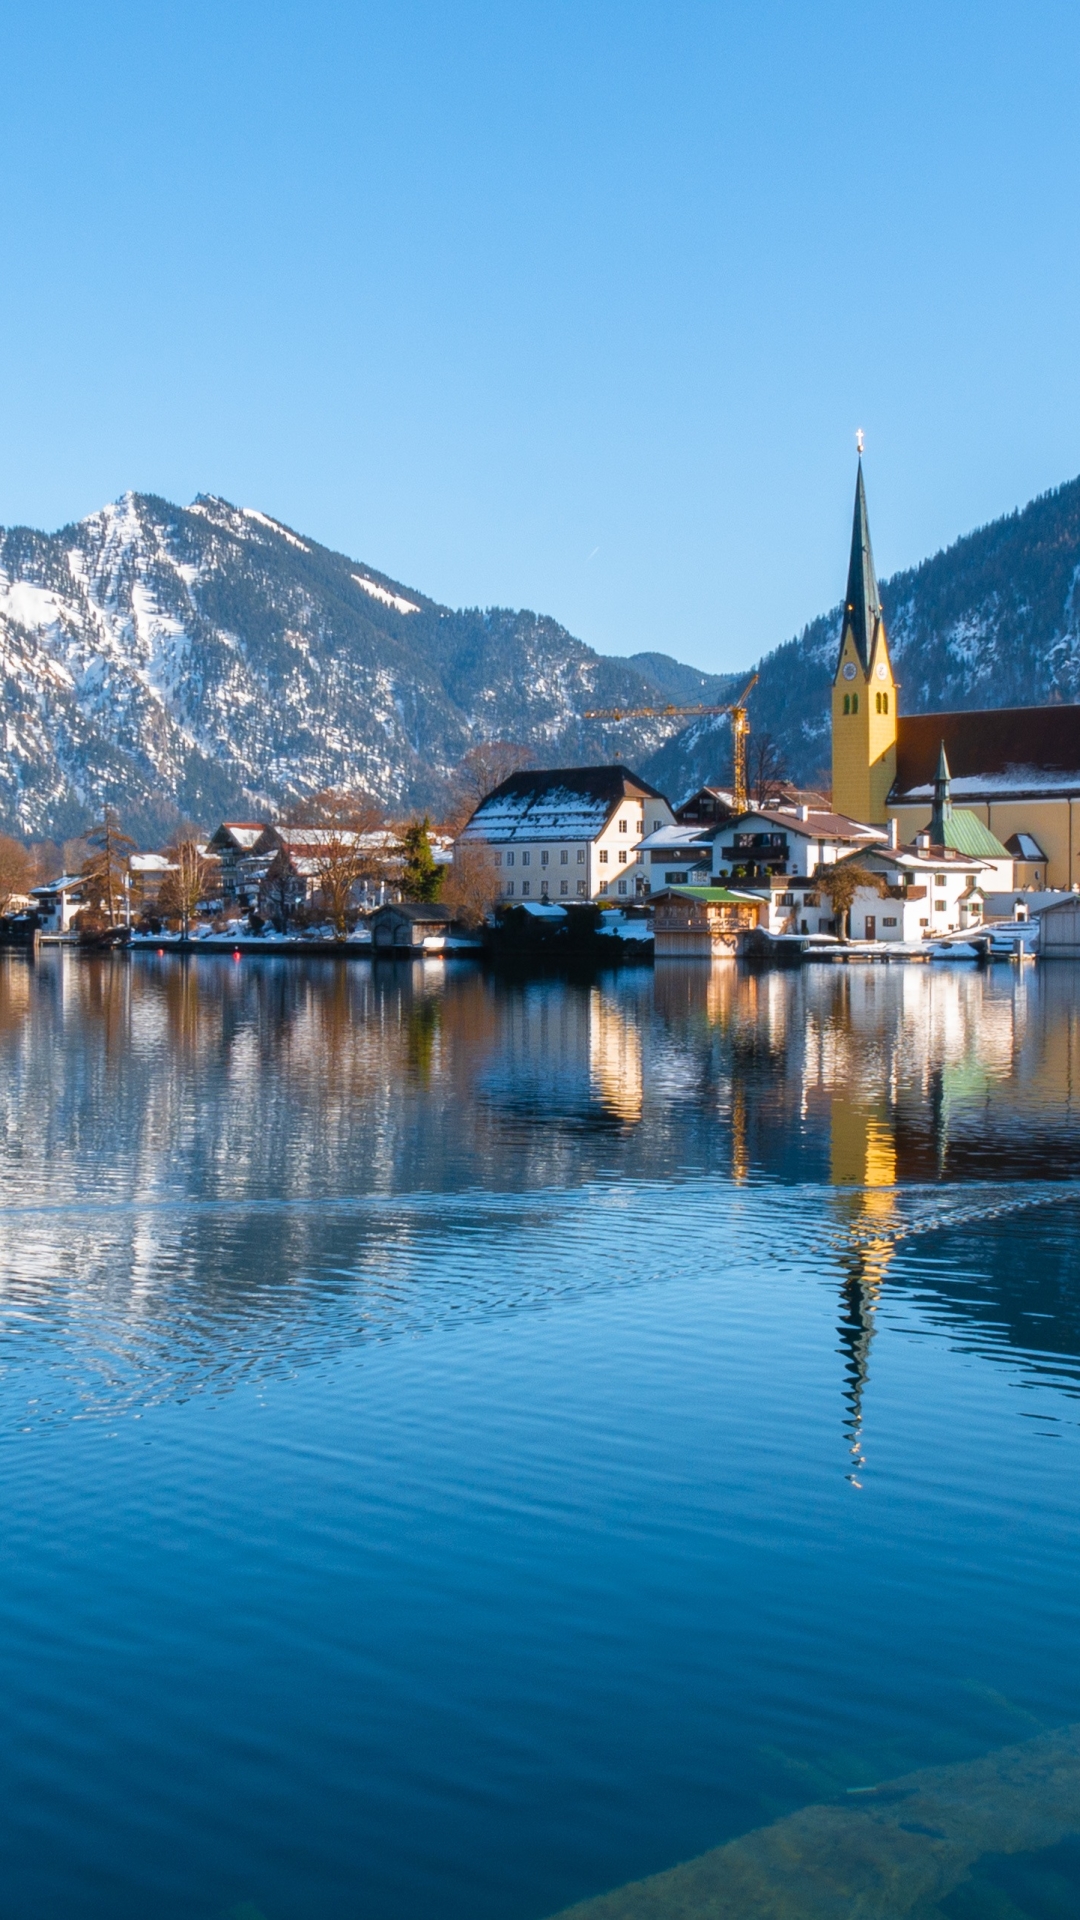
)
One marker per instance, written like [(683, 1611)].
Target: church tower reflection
[(863, 1162)]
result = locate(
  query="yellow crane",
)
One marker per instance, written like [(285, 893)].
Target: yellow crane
[(740, 730)]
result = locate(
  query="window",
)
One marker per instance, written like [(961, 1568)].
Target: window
[(924, 923), (525, 858), (969, 879), (940, 906), (496, 860), (544, 857), (884, 703), (509, 859), (509, 888), (786, 900), (939, 879), (581, 886), (622, 886), (854, 703), (847, 703), (676, 879), (623, 825), (656, 825), (563, 857), (603, 856), (622, 856), (524, 886), (603, 886), (812, 900), (543, 886), (564, 886), (581, 856), (888, 919)]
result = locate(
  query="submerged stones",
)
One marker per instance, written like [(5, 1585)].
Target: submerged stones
[(897, 1849)]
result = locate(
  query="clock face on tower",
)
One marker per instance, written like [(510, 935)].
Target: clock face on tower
[(882, 670), (849, 669)]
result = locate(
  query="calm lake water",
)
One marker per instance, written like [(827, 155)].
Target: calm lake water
[(468, 1445)]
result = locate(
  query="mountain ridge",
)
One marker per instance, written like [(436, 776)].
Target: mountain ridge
[(192, 662)]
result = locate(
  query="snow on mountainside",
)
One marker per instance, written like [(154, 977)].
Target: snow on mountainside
[(994, 621), (206, 661)]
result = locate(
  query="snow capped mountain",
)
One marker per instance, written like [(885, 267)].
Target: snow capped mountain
[(202, 661), (192, 663)]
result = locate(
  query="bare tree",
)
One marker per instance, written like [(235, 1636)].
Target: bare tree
[(471, 886), (768, 784), (105, 870), (342, 846), (281, 890), (16, 870), (185, 883), (484, 768), (841, 883)]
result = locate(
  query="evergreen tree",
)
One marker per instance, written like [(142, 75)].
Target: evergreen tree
[(421, 879)]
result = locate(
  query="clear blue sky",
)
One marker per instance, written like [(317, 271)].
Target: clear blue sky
[(571, 306)]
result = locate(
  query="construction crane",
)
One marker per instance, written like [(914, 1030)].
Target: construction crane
[(740, 730)]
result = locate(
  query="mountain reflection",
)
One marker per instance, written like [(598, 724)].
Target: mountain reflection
[(227, 1130)]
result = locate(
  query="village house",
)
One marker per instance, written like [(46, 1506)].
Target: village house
[(773, 853), (569, 833), (702, 923), (233, 846), (57, 904), (929, 891)]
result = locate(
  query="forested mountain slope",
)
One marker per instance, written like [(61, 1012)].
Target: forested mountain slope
[(993, 621), (205, 661), (196, 662)]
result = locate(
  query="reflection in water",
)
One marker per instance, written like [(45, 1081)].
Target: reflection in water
[(304, 1614), (260, 1134), (863, 1158)]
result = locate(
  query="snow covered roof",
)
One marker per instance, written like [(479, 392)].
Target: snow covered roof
[(1024, 846), (561, 803), (242, 833), (1001, 751), (66, 884), (677, 836)]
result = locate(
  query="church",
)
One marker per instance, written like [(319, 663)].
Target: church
[(1011, 775)]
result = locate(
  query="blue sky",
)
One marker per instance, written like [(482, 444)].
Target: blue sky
[(569, 306)]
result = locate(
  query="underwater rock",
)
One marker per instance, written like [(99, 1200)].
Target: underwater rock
[(891, 1850)]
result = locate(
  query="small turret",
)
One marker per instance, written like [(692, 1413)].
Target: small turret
[(942, 809)]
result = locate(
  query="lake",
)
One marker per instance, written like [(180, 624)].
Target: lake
[(473, 1446)]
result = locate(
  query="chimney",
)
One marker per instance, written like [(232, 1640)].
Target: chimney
[(802, 813), (922, 841), (894, 835)]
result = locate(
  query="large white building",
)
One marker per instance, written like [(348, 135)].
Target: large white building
[(570, 833)]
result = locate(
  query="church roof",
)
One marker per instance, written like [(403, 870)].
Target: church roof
[(1002, 751), (862, 601), (965, 833)]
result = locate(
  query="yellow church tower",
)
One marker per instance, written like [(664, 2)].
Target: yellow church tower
[(864, 691)]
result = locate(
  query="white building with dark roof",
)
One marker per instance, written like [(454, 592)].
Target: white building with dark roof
[(569, 833)]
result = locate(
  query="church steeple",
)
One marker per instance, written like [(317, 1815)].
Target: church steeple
[(864, 691), (862, 602)]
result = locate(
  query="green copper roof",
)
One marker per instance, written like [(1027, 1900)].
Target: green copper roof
[(862, 602), (717, 895), (965, 833)]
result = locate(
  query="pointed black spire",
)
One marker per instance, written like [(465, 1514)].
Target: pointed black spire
[(862, 603), (942, 810)]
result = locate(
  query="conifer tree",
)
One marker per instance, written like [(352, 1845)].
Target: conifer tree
[(421, 878)]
